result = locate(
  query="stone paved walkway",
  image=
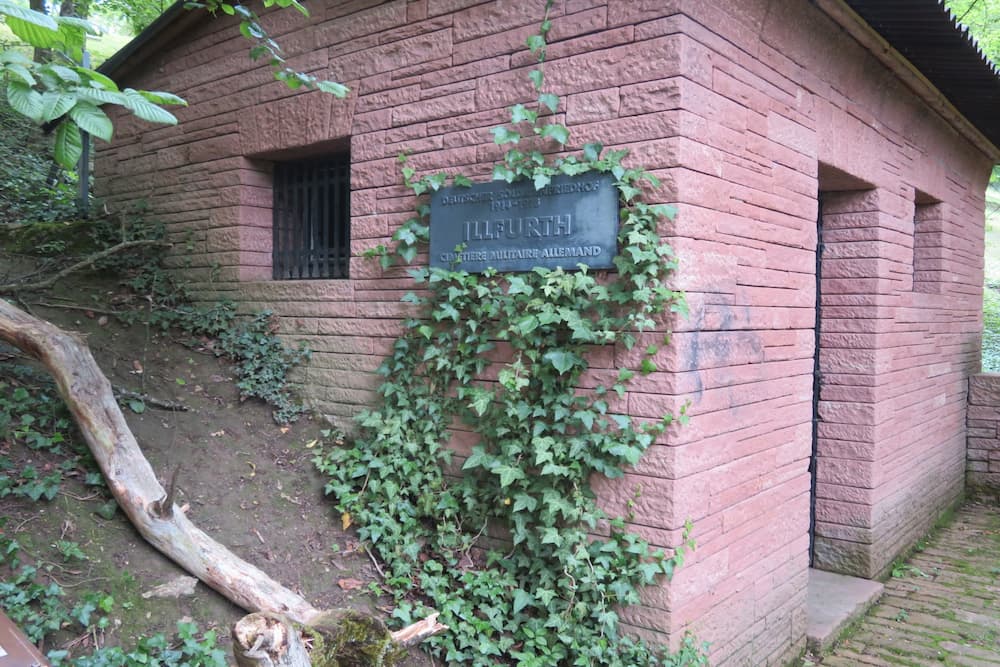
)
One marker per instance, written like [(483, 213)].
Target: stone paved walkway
[(942, 607)]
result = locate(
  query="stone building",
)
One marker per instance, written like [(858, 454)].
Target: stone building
[(828, 160)]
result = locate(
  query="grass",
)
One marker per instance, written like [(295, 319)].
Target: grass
[(991, 276)]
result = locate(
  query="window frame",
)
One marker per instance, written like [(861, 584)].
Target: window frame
[(311, 219)]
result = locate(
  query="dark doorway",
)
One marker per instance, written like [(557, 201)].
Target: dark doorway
[(817, 381)]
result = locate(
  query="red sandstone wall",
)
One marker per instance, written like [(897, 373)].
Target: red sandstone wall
[(984, 432), (734, 111)]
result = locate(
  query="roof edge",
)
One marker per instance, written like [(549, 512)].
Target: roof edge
[(870, 39), (118, 63)]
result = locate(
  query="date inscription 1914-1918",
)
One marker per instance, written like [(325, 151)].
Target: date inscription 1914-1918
[(514, 227)]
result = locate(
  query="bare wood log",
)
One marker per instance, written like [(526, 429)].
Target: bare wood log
[(85, 263), (344, 636), (90, 398), (417, 632), (268, 640)]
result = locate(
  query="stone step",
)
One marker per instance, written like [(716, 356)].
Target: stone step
[(834, 602)]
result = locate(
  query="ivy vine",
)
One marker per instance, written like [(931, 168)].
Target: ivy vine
[(511, 547)]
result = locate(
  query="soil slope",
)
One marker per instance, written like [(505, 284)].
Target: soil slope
[(245, 480)]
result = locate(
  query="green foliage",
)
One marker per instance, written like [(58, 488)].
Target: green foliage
[(991, 330), (32, 415), (31, 484), (64, 93), (137, 14), (265, 47), (38, 607), (25, 193), (40, 610), (70, 550), (188, 649), (263, 363), (983, 19), (61, 91), (262, 360), (515, 553), (37, 418)]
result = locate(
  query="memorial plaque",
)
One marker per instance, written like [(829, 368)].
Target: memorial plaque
[(514, 227)]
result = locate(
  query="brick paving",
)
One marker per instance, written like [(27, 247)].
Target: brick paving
[(940, 608)]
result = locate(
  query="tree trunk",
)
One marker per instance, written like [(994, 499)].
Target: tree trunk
[(41, 55)]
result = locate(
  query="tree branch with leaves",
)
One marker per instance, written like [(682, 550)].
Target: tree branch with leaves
[(69, 95)]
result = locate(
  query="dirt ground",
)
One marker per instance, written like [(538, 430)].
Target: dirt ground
[(246, 481)]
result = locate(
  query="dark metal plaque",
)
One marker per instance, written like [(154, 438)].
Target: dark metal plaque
[(514, 227)]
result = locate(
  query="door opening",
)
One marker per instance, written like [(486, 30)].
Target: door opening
[(817, 382)]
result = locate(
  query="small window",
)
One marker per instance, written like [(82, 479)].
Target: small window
[(930, 254), (312, 223)]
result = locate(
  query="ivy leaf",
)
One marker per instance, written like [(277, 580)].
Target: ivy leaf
[(628, 192), (522, 599), (475, 460), (522, 501), (518, 285), (503, 173), (592, 151), (561, 360), (551, 536), (535, 43), (481, 402), (520, 113), (549, 100), (508, 475), (541, 179), (586, 417), (537, 78), (503, 135), (526, 325), (574, 168), (556, 132), (68, 144), (408, 253)]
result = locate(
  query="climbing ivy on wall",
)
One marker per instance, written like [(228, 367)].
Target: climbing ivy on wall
[(512, 547)]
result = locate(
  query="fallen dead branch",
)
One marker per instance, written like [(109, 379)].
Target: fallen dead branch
[(90, 398), (151, 401), (85, 263)]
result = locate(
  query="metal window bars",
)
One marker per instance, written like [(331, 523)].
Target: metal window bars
[(312, 224)]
